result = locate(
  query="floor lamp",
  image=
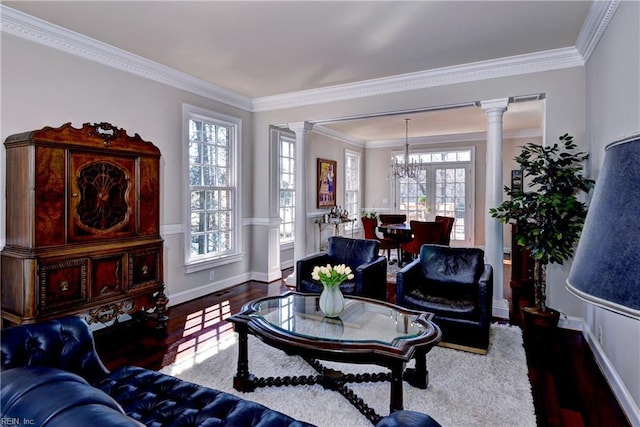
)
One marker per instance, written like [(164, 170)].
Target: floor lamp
[(606, 267)]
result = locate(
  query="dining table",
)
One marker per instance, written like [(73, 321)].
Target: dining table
[(401, 232)]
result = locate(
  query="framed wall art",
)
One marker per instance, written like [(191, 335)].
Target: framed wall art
[(326, 183)]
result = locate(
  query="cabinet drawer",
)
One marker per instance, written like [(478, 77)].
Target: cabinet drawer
[(107, 276), (145, 268), (62, 283)]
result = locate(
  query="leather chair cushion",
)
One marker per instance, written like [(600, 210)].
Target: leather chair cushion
[(352, 252), (53, 397), (460, 307)]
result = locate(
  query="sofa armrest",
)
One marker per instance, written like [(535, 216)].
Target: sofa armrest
[(407, 279), (304, 267), (53, 397), (65, 343)]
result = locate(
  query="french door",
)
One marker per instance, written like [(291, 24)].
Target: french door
[(440, 189)]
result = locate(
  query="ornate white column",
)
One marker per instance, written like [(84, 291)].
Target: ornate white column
[(300, 243), (493, 234)]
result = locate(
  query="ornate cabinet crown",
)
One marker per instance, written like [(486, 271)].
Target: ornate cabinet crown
[(83, 226)]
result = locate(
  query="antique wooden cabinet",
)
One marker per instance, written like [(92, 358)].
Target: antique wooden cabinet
[(83, 226)]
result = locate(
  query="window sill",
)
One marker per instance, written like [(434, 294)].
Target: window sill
[(209, 263)]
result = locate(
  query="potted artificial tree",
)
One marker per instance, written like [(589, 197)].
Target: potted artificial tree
[(548, 214)]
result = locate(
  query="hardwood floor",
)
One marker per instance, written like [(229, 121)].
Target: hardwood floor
[(567, 385)]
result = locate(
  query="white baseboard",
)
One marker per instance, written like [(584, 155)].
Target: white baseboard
[(500, 309), (572, 323), (209, 288), (621, 392)]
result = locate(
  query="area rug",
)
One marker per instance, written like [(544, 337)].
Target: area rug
[(465, 389)]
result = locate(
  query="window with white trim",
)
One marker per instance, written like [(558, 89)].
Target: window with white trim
[(212, 232), (287, 186), (352, 186), (442, 187)]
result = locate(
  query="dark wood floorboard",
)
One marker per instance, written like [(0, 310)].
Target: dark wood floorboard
[(567, 386)]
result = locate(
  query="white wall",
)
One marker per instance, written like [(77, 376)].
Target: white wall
[(613, 111)]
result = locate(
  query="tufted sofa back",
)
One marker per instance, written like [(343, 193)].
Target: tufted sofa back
[(65, 343)]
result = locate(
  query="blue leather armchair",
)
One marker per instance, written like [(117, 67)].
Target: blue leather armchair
[(457, 286), (361, 255)]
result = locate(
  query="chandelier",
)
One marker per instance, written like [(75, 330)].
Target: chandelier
[(404, 169)]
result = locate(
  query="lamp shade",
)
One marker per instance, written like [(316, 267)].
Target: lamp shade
[(606, 267)]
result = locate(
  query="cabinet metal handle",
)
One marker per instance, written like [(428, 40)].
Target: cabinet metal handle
[(145, 270), (64, 286)]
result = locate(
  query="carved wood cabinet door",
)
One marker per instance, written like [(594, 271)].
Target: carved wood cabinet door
[(102, 202)]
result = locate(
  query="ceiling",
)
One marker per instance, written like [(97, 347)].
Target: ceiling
[(269, 48)]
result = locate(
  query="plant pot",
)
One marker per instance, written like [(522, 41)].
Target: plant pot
[(540, 320)]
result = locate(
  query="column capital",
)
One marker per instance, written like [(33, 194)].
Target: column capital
[(499, 104), (301, 127)]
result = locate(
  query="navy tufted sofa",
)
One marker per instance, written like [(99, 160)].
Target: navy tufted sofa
[(52, 376)]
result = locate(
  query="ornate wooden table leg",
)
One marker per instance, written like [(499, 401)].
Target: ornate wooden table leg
[(160, 311), (396, 388), (418, 377), (243, 380)]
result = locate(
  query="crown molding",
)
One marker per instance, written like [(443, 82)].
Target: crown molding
[(325, 131), (504, 67), (594, 26), (39, 31)]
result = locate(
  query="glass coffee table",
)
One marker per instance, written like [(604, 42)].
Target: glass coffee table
[(367, 332)]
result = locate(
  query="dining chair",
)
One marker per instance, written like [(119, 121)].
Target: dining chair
[(423, 232), (392, 219), (446, 230), (386, 243)]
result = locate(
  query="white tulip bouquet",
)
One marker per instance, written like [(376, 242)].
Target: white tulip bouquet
[(332, 275)]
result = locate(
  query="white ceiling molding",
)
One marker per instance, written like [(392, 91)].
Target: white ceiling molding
[(515, 65), (36, 30), (595, 24), (42, 32), (325, 131), (460, 137)]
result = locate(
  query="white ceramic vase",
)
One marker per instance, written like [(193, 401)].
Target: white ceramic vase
[(331, 301)]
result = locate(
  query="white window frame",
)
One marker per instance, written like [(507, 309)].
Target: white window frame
[(234, 254), (290, 138), (353, 213)]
